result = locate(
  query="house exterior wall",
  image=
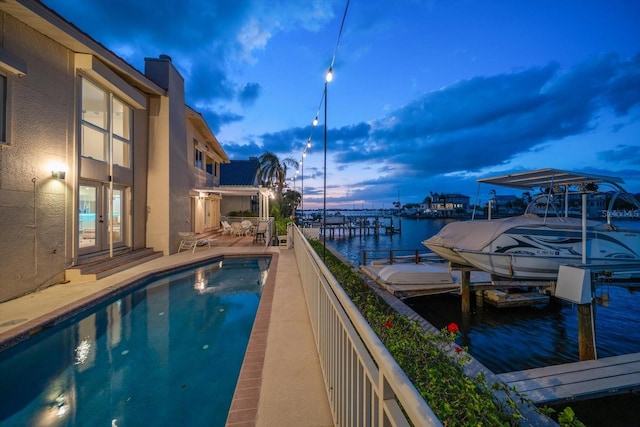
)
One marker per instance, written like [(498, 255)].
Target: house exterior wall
[(34, 207), (44, 60), (170, 183)]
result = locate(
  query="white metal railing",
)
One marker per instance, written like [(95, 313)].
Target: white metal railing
[(365, 385)]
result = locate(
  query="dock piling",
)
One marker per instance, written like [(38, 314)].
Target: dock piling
[(586, 334), (466, 291)]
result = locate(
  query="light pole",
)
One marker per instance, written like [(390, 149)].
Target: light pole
[(327, 79)]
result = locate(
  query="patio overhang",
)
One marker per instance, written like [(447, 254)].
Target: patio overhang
[(241, 190)]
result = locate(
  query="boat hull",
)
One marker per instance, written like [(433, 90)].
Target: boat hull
[(447, 253), (536, 253), (522, 267), (532, 248)]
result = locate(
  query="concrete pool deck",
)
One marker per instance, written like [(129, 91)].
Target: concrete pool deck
[(281, 381)]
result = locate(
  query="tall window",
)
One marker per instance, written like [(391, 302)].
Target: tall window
[(121, 118), (106, 126), (3, 109), (197, 156)]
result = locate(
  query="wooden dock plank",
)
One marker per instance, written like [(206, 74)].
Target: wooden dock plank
[(577, 380), (570, 367), (580, 377), (587, 389)]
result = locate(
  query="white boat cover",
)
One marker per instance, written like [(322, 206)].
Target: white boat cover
[(475, 235), (415, 274)]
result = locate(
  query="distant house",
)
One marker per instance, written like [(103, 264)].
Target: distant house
[(448, 205)]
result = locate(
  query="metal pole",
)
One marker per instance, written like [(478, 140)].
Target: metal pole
[(324, 213), (584, 228)]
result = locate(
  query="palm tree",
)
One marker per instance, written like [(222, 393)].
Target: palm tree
[(290, 202), (272, 172)]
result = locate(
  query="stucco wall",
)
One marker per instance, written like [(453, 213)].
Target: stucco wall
[(34, 206), (170, 180)]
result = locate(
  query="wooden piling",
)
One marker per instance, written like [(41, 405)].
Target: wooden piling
[(466, 291), (586, 338), (479, 298)]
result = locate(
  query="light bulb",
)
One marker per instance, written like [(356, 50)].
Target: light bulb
[(315, 121), (329, 76)]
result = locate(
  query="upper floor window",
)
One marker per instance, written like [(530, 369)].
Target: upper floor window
[(106, 126), (3, 109), (198, 156), (211, 166)]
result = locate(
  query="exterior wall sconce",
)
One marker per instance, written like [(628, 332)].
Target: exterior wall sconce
[(201, 196), (58, 174)]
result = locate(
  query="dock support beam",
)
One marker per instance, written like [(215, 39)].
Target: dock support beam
[(586, 337), (466, 291)]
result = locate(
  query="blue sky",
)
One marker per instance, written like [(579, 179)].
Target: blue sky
[(427, 96)]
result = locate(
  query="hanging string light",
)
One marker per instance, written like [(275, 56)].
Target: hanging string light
[(328, 78)]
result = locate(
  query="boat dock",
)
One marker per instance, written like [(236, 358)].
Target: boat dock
[(579, 380), (341, 225)]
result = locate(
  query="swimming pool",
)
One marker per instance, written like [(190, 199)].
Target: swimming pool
[(168, 352)]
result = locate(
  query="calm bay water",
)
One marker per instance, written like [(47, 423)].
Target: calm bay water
[(511, 339)]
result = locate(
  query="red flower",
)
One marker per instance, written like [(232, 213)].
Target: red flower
[(388, 324), (453, 328), (458, 349)]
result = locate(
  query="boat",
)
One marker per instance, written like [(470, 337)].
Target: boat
[(533, 246), (407, 280)]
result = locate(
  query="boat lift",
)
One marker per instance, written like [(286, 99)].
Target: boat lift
[(574, 283)]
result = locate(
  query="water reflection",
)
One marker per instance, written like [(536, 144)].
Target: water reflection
[(148, 357)]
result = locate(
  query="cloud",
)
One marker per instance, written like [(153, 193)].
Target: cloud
[(487, 121), (242, 151), (249, 93), (622, 154), (217, 117)]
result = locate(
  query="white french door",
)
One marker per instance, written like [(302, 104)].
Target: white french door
[(100, 217)]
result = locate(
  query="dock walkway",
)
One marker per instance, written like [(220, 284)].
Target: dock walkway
[(578, 380)]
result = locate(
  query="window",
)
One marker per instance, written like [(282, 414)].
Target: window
[(197, 158), (211, 166), (3, 109), (121, 119), (106, 126)]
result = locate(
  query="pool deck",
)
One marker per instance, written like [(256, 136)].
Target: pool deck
[(280, 382)]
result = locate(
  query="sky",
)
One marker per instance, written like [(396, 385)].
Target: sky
[(427, 95)]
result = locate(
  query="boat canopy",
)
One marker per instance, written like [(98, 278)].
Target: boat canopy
[(545, 177), (475, 235)]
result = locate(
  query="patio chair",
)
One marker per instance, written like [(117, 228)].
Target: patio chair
[(189, 241), (247, 226), (226, 228), (261, 232), (237, 229)]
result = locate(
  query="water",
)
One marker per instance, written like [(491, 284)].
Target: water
[(165, 354), (513, 339)]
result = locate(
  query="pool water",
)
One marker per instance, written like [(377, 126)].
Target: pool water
[(167, 353)]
